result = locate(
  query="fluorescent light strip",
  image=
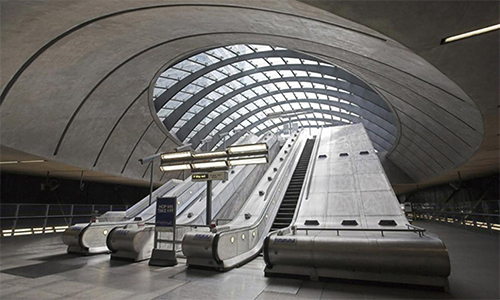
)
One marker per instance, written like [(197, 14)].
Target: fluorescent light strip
[(470, 33), (247, 148), (9, 162), (22, 233), (32, 161), (210, 154), (175, 155), (23, 230), (248, 161), (168, 168), (210, 165)]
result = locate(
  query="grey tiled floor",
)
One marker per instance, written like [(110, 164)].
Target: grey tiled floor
[(39, 268)]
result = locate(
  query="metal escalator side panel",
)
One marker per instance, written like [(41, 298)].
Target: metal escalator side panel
[(240, 244), (401, 254), (143, 204), (295, 188), (71, 236), (265, 252)]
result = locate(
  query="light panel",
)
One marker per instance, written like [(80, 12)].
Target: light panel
[(471, 33), (210, 165), (247, 149), (32, 161), (179, 167), (176, 155), (248, 161), (210, 155)]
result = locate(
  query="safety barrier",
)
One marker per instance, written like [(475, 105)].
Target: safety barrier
[(490, 222), (28, 218)]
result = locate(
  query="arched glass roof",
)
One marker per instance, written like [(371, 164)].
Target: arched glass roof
[(260, 88)]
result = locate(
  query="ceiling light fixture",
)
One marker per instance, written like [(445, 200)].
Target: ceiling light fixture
[(168, 168), (247, 149), (218, 154), (212, 165), (32, 161), (8, 162), (175, 156), (248, 161), (470, 34)]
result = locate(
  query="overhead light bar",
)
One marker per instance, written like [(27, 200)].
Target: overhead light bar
[(470, 34), (211, 165), (32, 161), (176, 155), (210, 155), (247, 149), (10, 162), (167, 168), (248, 161)]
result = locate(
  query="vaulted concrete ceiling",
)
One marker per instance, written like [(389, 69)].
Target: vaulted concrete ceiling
[(76, 77), (473, 64)]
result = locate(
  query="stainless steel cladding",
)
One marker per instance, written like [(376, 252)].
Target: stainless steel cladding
[(349, 223), (91, 238), (132, 242), (241, 239), (395, 253)]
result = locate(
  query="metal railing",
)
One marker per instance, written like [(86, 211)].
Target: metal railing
[(490, 222), (27, 218), (409, 228)]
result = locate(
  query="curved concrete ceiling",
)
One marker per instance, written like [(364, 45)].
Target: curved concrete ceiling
[(76, 77)]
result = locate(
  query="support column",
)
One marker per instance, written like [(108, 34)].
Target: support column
[(209, 202)]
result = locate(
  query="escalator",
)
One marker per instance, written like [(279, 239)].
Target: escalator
[(289, 203)]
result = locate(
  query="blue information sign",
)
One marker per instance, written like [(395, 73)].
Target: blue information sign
[(166, 211)]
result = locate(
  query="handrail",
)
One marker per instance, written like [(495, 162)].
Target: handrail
[(415, 229), (143, 204), (313, 159), (308, 179), (268, 195), (43, 217), (456, 213), (273, 184), (39, 221)]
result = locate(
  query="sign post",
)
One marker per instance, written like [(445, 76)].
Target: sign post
[(208, 177), (166, 212)]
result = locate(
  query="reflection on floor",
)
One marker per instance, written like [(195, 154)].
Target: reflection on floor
[(38, 268)]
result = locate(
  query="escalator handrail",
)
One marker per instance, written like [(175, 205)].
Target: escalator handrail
[(294, 157), (314, 156), (307, 182)]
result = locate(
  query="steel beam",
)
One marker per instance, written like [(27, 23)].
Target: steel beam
[(332, 71), (370, 101), (163, 98)]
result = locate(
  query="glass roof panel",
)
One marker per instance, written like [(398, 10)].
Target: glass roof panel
[(261, 48), (189, 66), (175, 74), (221, 53), (240, 49), (205, 59), (259, 62), (268, 88)]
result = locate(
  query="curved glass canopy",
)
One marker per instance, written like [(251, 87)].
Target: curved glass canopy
[(218, 93)]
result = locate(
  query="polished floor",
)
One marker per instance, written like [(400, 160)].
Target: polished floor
[(38, 268)]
